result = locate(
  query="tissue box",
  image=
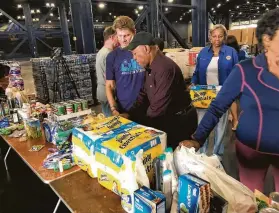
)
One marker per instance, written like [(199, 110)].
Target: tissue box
[(109, 153), (193, 195), (148, 201), (84, 140)]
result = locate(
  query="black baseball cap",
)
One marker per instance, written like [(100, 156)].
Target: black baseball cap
[(141, 38)]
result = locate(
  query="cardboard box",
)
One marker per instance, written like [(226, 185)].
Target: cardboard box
[(193, 54), (182, 60), (109, 154), (148, 201), (193, 194)]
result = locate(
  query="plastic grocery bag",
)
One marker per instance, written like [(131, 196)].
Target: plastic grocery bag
[(239, 197)]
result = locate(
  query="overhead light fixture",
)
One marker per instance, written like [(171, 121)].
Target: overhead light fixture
[(230, 10), (52, 5), (110, 14), (138, 14), (32, 11), (228, 0), (258, 8), (190, 11), (180, 19), (19, 17), (175, 21), (166, 9), (214, 11), (140, 7), (240, 13), (38, 11), (277, 5), (136, 11), (219, 5), (1, 14), (254, 16), (23, 17), (10, 21), (263, 5), (49, 21), (47, 4), (101, 5), (19, 6), (37, 19), (51, 14), (248, 2), (33, 19), (237, 7), (114, 16), (170, 1), (97, 20), (68, 20), (58, 18), (266, 9), (212, 8)]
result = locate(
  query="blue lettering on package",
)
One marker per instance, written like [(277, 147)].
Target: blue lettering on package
[(130, 67), (188, 195)]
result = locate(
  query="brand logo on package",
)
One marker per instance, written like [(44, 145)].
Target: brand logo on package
[(126, 138)]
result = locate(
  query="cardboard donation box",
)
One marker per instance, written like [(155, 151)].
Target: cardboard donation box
[(193, 54), (181, 58)]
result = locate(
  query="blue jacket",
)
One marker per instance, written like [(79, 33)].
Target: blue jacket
[(258, 92), (228, 57), (241, 55)]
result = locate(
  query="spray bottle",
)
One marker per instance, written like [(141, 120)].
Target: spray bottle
[(128, 185)]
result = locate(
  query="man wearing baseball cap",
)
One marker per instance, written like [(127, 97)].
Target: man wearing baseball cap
[(163, 98)]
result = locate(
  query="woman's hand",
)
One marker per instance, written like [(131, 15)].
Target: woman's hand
[(189, 87), (190, 144)]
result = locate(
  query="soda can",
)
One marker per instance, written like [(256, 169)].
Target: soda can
[(84, 104), (77, 106), (69, 108)]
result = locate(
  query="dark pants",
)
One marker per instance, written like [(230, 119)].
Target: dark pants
[(253, 167), (177, 127)]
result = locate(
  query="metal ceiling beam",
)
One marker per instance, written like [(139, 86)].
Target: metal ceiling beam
[(173, 31), (44, 43), (141, 17), (17, 47), (13, 20), (123, 1), (178, 5), (43, 19)]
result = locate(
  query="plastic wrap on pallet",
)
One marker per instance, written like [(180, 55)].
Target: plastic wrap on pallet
[(82, 69)]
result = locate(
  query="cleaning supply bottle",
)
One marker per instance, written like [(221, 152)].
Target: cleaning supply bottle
[(128, 185), (170, 165)]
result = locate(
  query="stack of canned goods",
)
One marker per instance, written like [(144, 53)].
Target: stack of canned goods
[(69, 107)]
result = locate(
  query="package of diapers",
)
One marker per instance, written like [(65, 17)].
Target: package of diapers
[(84, 140), (109, 154)]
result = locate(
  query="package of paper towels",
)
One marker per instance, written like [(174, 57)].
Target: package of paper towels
[(85, 138)]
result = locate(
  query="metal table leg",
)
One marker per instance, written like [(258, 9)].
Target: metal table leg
[(57, 206), (5, 159)]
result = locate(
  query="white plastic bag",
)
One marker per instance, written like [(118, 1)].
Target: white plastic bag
[(141, 175), (239, 197)]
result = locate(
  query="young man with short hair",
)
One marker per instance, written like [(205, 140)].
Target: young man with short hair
[(110, 43), (124, 75)]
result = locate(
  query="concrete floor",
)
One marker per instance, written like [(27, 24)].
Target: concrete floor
[(23, 178)]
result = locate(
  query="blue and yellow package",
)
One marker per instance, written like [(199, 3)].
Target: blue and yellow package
[(202, 95), (148, 201), (109, 153), (84, 140), (193, 194)]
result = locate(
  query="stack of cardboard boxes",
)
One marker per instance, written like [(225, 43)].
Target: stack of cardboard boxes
[(185, 59)]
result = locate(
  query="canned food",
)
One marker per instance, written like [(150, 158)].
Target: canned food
[(61, 109), (84, 103), (69, 108), (77, 106)]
